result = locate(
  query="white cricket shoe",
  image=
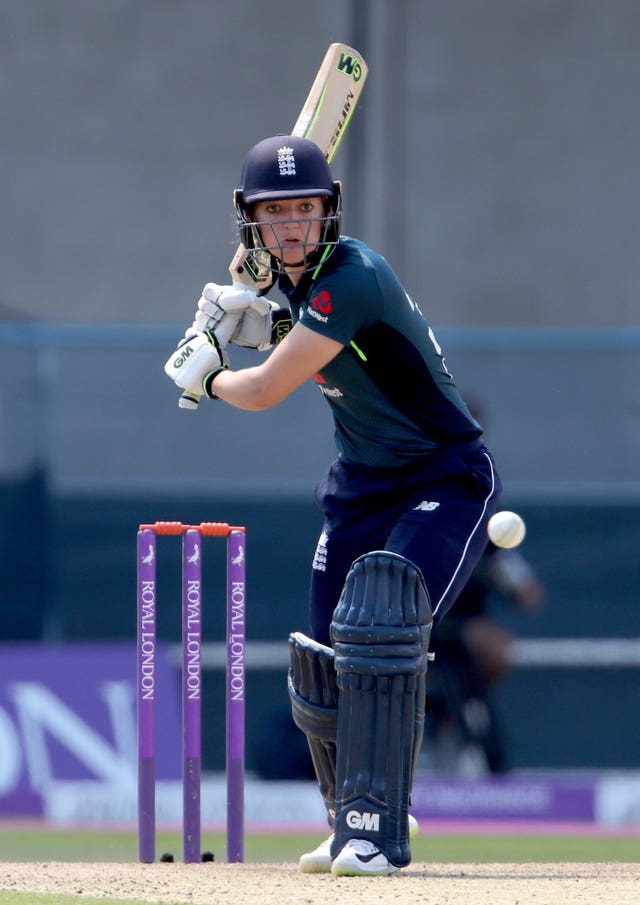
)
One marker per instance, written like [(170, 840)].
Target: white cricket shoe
[(361, 858), (319, 860)]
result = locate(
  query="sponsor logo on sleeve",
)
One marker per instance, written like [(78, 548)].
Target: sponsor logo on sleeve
[(321, 307), (333, 392)]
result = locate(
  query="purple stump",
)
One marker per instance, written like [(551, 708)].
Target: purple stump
[(191, 691), (146, 694), (236, 687)]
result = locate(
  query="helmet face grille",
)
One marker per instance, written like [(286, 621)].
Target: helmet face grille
[(268, 254), (285, 166)]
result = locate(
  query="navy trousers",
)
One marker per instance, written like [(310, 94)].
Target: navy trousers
[(435, 513)]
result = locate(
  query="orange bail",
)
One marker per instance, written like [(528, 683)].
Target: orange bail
[(207, 529)]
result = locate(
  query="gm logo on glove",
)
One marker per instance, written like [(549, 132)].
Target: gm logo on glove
[(185, 353)]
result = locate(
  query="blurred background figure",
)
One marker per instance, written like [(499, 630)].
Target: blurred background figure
[(472, 650)]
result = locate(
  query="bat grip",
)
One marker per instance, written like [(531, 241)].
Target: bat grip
[(189, 401)]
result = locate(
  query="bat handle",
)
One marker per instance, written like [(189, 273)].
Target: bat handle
[(189, 401)]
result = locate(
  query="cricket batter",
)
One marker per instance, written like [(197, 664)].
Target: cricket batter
[(405, 503)]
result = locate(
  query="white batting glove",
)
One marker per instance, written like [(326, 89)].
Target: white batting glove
[(197, 358), (224, 329), (240, 316), (216, 301), (255, 326)]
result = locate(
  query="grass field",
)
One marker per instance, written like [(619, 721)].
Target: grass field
[(29, 844)]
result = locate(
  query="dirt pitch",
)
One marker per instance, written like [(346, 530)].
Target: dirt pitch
[(281, 884)]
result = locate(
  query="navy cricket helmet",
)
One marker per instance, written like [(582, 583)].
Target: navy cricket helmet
[(286, 166)]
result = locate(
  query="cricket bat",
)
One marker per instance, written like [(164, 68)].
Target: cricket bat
[(324, 118)]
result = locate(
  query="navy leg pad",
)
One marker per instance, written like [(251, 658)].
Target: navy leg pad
[(380, 633), (313, 693)]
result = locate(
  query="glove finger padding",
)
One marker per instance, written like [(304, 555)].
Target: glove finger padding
[(208, 307), (216, 301), (223, 329), (212, 291)]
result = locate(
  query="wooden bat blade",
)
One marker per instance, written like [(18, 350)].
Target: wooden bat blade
[(332, 99), (323, 119)]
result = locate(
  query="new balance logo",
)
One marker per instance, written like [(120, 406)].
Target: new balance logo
[(426, 506), (363, 821)]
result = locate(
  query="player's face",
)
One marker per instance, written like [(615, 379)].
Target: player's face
[(290, 227)]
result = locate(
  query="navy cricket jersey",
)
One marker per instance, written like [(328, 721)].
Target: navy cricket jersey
[(392, 398)]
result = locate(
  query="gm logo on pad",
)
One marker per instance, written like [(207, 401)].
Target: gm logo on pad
[(363, 821)]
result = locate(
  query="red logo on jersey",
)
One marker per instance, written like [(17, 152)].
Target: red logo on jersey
[(322, 302), (319, 378)]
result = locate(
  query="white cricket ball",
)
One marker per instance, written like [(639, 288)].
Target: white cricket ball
[(506, 529)]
